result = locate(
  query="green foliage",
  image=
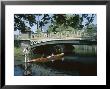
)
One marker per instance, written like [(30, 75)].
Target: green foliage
[(50, 29), (38, 31), (16, 43), (89, 18), (70, 29), (58, 22), (17, 51), (60, 28), (71, 20), (59, 19), (45, 19), (91, 30), (20, 21), (74, 21)]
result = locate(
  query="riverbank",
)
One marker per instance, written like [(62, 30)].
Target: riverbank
[(17, 51), (18, 54)]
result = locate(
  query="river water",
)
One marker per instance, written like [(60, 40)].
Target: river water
[(70, 65)]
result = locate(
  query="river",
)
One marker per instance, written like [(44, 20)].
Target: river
[(70, 65)]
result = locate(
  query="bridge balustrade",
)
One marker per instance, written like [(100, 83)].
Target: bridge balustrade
[(59, 35)]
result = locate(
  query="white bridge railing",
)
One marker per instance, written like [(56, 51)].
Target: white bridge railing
[(42, 37), (66, 35)]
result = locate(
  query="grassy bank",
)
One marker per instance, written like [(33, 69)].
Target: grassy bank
[(17, 51), (18, 54)]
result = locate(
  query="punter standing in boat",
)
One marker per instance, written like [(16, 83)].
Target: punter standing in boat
[(26, 53)]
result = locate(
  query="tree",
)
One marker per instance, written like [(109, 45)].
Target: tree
[(91, 31), (38, 20), (38, 31), (60, 29), (59, 19), (72, 20), (45, 19), (49, 30), (21, 21), (89, 18), (75, 21)]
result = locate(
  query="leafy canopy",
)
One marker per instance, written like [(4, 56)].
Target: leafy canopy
[(22, 21)]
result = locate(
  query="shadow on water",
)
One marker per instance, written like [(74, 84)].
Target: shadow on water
[(70, 66)]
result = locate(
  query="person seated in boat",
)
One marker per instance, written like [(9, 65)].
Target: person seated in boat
[(51, 57)]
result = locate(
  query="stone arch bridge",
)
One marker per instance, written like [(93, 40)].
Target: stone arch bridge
[(42, 40)]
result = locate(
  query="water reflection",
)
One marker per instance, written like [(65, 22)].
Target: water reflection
[(70, 66), (27, 69)]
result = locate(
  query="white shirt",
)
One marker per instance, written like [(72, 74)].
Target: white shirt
[(25, 51)]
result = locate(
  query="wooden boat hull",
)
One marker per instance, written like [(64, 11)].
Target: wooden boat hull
[(49, 58), (39, 60)]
